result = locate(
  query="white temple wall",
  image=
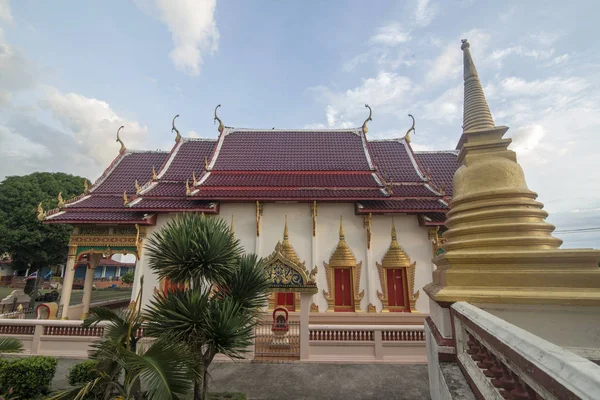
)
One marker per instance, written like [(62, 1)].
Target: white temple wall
[(412, 237)]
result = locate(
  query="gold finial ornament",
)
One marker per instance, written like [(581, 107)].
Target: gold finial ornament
[(41, 214), (221, 126), (206, 163), (61, 201), (194, 180), (122, 150), (178, 137), (187, 187), (125, 198), (86, 187), (313, 210), (412, 129), (259, 209), (364, 125), (153, 173), (367, 224), (138, 188)]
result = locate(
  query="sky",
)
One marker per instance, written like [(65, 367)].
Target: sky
[(72, 72)]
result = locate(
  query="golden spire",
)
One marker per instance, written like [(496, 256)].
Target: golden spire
[(194, 180), (395, 257), (231, 226), (41, 214), (221, 126), (86, 188), (153, 173), (187, 187), (476, 113), (364, 125), (120, 141), (286, 248), (412, 129), (125, 199), (61, 201), (342, 256), (178, 137)]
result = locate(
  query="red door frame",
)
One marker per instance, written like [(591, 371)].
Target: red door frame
[(286, 299), (393, 294), (343, 290)]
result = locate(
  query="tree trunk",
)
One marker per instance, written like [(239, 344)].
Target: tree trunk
[(198, 390), (206, 360)]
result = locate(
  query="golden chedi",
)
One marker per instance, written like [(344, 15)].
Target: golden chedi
[(499, 248)]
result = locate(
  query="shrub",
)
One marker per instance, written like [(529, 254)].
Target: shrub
[(27, 377), (83, 372), (127, 278)]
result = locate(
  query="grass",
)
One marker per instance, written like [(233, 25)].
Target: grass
[(226, 396), (77, 295)]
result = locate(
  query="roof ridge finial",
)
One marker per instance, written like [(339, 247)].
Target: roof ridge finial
[(221, 126), (86, 187), (476, 112), (285, 229), (178, 137), (122, 150), (342, 236), (138, 188), (41, 214), (412, 129), (61, 201), (364, 125), (188, 191), (153, 173)]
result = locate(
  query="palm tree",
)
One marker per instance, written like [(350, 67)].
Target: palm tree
[(162, 371), (218, 312)]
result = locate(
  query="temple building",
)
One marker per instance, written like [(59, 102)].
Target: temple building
[(361, 217)]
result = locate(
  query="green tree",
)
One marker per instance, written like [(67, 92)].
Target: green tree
[(26, 239), (128, 277), (218, 311)]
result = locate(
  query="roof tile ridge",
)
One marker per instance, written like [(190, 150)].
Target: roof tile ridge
[(291, 172), (109, 170), (217, 149), (282, 188), (356, 131), (77, 199), (414, 160), (167, 163), (454, 152), (158, 151), (200, 139), (365, 145)]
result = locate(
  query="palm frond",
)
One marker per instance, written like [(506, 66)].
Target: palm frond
[(121, 323), (249, 283), (165, 369), (10, 345), (193, 248)]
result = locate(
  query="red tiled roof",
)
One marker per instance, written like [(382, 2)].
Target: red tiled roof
[(189, 158), (98, 201), (100, 217), (287, 179), (418, 190), (167, 189), (432, 219), (292, 151), (442, 164), (393, 161), (267, 193), (405, 205), (132, 166), (107, 262), (148, 204)]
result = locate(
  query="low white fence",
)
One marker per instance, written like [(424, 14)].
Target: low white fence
[(327, 343), (367, 343)]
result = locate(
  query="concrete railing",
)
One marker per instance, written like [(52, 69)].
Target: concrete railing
[(502, 361), (404, 343)]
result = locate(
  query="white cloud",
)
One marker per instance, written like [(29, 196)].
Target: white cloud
[(447, 108), (384, 93), (5, 14), (424, 12), (527, 138), (499, 55), (390, 35), (18, 73), (546, 38), (193, 30), (193, 134)]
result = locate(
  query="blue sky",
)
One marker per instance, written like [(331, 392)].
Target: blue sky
[(73, 71)]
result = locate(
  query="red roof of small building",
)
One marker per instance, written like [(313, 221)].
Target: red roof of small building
[(442, 165)]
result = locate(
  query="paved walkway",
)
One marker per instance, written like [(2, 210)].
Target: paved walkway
[(297, 381)]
